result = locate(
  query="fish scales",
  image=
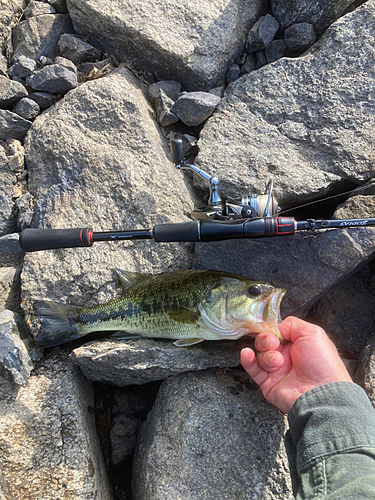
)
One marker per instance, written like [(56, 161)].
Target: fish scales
[(146, 306)]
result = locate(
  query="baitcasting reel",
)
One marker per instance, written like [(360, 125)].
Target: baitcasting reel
[(248, 207)]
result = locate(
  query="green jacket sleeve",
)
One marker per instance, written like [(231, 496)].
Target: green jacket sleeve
[(331, 444)]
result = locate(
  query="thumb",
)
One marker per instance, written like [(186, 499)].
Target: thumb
[(293, 328)]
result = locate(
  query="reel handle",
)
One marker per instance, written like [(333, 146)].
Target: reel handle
[(177, 153)]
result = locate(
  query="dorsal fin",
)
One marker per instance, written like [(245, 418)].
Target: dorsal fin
[(128, 278)]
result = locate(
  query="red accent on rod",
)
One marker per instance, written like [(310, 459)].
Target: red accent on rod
[(90, 237), (285, 223)]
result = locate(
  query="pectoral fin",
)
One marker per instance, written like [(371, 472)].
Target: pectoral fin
[(187, 342), (184, 316)]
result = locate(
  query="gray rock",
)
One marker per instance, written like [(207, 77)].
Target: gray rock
[(233, 73), (43, 99), (275, 51), (217, 435), (13, 126), (249, 65), (124, 433), (366, 370), (321, 13), (170, 87), (219, 91), (10, 92), (194, 42), (10, 287), (260, 58), (307, 265), (299, 36), (107, 172), (7, 209), (27, 108), (10, 13), (300, 135), (14, 358), (347, 310), (15, 156), (130, 408), (262, 33), (23, 67), (10, 250), (25, 209), (38, 36), (194, 108), (54, 79), (38, 9), (141, 361), (59, 5), (3, 65), (77, 50), (41, 425), (87, 67), (163, 105), (66, 63)]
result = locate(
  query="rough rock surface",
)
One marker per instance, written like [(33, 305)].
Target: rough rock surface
[(48, 445), (77, 50), (38, 9), (142, 361), (23, 67), (38, 36), (211, 435), (365, 374), (27, 108), (321, 13), (10, 250), (10, 12), (347, 311), (7, 208), (13, 125), (10, 287), (194, 108), (10, 92), (194, 42), (107, 167), (319, 259), (15, 362), (54, 79), (289, 122)]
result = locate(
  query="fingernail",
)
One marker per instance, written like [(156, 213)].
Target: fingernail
[(265, 342)]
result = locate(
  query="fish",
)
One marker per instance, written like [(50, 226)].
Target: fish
[(187, 306)]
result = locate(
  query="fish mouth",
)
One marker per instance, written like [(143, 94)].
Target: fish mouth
[(271, 312)]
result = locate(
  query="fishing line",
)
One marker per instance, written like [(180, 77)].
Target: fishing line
[(361, 188)]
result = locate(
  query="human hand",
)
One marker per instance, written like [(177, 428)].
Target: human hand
[(284, 372)]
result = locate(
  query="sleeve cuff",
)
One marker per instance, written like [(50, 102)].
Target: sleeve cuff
[(330, 419)]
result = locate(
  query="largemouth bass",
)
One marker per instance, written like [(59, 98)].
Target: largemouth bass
[(188, 306)]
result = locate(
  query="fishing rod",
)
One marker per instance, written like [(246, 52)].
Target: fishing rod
[(253, 216)]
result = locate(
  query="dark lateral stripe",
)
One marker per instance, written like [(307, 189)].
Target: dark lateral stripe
[(109, 313)]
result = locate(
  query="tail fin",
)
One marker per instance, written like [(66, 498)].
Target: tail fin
[(57, 324)]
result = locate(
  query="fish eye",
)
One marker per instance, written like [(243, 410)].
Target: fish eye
[(254, 290)]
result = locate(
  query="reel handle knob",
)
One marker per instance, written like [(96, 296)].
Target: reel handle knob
[(177, 154)]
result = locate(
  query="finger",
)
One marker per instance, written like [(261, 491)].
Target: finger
[(270, 361), (292, 328), (250, 364), (266, 342)]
